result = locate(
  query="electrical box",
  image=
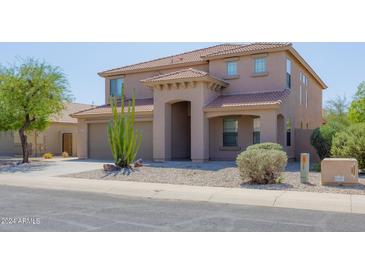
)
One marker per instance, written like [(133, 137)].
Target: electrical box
[(339, 171)]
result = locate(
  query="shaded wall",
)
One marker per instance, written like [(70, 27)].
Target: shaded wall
[(180, 131), (303, 145)]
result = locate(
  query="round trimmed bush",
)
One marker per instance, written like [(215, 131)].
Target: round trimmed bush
[(274, 146), (262, 166), (350, 143)]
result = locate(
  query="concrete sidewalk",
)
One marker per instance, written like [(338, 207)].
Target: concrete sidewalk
[(272, 198)]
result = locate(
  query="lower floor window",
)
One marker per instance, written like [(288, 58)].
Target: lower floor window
[(256, 131), (288, 133), (230, 132)]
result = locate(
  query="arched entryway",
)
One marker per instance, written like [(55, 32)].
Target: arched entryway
[(181, 131)]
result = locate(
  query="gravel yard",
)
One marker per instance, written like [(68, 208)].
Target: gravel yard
[(217, 174)]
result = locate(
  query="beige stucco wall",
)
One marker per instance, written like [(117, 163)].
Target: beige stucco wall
[(247, 81), (7, 143), (245, 138), (198, 95), (133, 81), (53, 138)]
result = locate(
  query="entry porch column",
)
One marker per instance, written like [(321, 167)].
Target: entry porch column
[(162, 132), (82, 140), (199, 133)]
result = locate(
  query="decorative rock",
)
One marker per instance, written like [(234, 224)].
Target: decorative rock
[(138, 163), (109, 167)]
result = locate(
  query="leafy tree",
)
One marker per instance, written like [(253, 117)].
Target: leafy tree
[(321, 138), (124, 140), (357, 108), (350, 143), (30, 92), (336, 108)]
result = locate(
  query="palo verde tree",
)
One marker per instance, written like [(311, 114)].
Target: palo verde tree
[(30, 93)]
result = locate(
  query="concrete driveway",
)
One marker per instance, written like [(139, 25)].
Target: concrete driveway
[(50, 168)]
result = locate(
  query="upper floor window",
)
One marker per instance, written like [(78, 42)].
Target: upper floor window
[(300, 95), (260, 65), (116, 87), (288, 73), (231, 68), (303, 79), (230, 132), (306, 99)]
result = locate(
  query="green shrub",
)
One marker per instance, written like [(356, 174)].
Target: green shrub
[(321, 138), (48, 155), (262, 166), (350, 143), (124, 140), (266, 146), (316, 167)]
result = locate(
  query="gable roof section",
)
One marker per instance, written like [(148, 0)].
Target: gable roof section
[(263, 98), (248, 48), (184, 74), (142, 105), (64, 116), (194, 56)]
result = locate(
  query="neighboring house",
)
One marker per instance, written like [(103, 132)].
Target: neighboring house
[(60, 135), (211, 103)]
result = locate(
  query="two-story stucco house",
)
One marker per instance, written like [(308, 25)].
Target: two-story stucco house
[(211, 103)]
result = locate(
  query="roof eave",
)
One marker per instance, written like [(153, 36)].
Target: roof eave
[(228, 55), (110, 73), (308, 67), (243, 108)]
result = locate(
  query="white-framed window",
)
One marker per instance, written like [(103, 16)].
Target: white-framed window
[(260, 65), (303, 79), (116, 86), (306, 99), (300, 95), (288, 73), (231, 68)]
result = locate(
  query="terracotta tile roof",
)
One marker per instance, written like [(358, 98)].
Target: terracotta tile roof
[(249, 99), (181, 74), (64, 116), (187, 57), (142, 105), (249, 48)]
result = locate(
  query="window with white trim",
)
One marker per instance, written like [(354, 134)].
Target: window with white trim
[(231, 68), (260, 65)]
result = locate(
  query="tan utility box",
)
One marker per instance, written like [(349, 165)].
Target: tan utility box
[(339, 171)]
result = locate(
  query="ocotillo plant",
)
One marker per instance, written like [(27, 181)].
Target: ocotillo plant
[(124, 140)]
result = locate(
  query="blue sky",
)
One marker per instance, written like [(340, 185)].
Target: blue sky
[(340, 65)]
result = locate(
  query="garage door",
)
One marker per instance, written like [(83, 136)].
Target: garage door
[(99, 146)]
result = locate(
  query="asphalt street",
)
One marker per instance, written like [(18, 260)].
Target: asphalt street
[(30, 209)]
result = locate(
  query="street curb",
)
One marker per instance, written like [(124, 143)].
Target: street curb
[(271, 198)]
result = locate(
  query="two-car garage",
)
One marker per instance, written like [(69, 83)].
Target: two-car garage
[(98, 145)]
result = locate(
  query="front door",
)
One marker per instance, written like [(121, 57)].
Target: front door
[(67, 143)]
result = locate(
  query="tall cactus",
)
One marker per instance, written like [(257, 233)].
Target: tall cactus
[(124, 140)]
